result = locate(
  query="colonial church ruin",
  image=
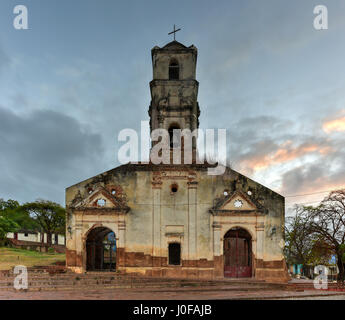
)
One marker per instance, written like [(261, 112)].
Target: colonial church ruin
[(175, 220)]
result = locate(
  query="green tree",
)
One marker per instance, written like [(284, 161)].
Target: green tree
[(9, 204), (6, 225), (11, 209), (48, 215)]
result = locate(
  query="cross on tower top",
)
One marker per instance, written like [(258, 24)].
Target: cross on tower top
[(174, 32)]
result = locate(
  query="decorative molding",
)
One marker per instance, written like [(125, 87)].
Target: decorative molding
[(216, 225), (122, 225), (118, 201), (236, 212), (220, 204), (174, 234), (192, 184), (101, 211), (237, 223)]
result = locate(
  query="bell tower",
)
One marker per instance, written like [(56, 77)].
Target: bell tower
[(174, 88)]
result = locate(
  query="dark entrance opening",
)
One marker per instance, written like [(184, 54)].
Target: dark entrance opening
[(101, 250), (174, 143), (174, 254), (174, 70), (237, 253)]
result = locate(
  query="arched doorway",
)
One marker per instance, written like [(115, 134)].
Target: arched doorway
[(237, 253), (101, 249)]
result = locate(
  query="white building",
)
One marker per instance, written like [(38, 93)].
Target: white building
[(33, 236)]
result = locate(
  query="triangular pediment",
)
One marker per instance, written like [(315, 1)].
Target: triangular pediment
[(100, 198), (237, 201)]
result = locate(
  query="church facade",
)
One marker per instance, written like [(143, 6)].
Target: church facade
[(175, 220)]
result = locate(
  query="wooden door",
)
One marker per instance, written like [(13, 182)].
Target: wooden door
[(237, 255)]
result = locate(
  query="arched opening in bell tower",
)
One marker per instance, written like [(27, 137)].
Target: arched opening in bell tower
[(174, 70), (174, 143)]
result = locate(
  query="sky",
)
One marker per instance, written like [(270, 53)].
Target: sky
[(80, 74)]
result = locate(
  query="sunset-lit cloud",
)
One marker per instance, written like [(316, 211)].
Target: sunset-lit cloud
[(64, 98), (309, 181), (336, 125), (291, 162), (286, 152)]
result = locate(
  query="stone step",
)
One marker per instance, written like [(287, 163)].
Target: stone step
[(154, 289), (117, 276), (143, 281), (46, 275), (311, 286), (100, 279), (52, 277), (129, 277), (97, 282), (137, 281), (137, 287)]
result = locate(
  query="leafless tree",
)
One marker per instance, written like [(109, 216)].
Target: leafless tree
[(298, 238), (327, 221)]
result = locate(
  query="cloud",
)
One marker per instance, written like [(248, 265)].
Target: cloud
[(48, 150), (4, 59), (253, 59), (324, 172), (44, 152), (314, 177), (256, 142), (282, 153), (275, 152), (336, 125)]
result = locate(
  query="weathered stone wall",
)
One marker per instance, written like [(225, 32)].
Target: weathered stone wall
[(186, 59), (174, 102), (158, 216)]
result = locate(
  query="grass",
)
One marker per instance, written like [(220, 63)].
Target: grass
[(10, 257)]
